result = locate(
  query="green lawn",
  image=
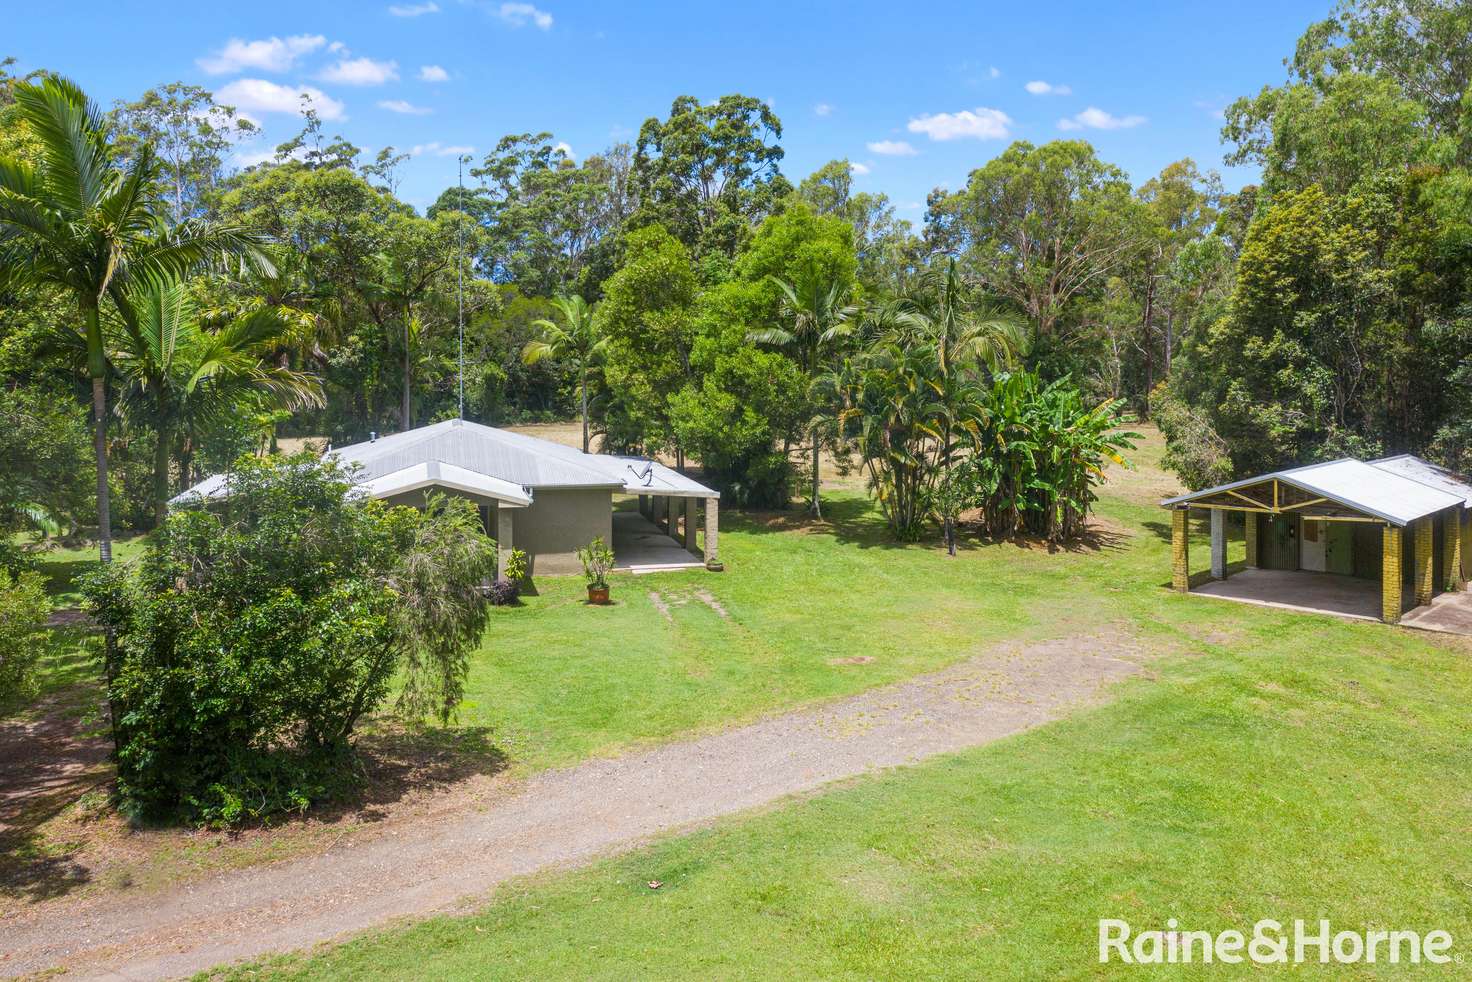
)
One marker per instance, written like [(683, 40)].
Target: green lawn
[(1268, 764)]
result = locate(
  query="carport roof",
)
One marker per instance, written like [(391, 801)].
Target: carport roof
[(1384, 492)]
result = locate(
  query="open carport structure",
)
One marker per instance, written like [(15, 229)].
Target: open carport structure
[(1338, 537)]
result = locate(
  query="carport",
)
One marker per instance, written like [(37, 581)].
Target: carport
[(1373, 539)]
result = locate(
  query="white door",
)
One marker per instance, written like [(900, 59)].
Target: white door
[(1311, 545)]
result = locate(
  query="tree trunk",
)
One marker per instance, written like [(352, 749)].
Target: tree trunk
[(405, 414), (161, 477), (815, 507), (583, 398), (104, 500)]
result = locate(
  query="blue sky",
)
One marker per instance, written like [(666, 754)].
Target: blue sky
[(915, 95)]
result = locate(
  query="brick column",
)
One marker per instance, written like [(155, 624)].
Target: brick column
[(692, 506), (1466, 535), (1390, 578), (1218, 544), (1425, 559), (1451, 525), (1249, 524), (1180, 551), (712, 533)]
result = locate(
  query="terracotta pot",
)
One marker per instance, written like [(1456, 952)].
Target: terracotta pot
[(597, 594)]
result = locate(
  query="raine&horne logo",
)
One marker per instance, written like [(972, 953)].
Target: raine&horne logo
[(1270, 942)]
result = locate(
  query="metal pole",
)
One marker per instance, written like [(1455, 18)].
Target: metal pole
[(460, 285)]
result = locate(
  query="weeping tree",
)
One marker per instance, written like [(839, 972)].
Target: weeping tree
[(80, 221)]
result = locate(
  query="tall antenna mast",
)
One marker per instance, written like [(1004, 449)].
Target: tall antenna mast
[(460, 284)]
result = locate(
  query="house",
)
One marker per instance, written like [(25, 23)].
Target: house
[(1383, 538), (535, 495)]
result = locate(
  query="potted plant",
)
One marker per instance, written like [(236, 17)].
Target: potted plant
[(597, 561)]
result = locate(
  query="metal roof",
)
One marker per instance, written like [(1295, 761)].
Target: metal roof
[(1369, 488), (436, 474), (489, 461), (1424, 471)]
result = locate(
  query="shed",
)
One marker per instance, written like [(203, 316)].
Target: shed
[(1400, 522)]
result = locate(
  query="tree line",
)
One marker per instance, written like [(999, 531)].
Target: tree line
[(681, 295)]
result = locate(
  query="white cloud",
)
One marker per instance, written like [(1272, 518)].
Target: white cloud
[(892, 148), (270, 55), (404, 107), (1094, 118), (822, 109), (858, 168), (567, 149), (994, 72), (256, 95), (433, 73), (978, 124), (522, 14), (437, 149), (1214, 109), (256, 157), (1039, 87), (361, 71), (414, 9)]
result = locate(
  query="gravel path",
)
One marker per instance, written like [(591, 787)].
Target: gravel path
[(562, 818)]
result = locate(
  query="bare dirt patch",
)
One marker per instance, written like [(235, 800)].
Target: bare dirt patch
[(61, 840)]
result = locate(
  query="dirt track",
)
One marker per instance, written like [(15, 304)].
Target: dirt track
[(562, 818)]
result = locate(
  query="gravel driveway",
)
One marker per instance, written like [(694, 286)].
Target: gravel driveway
[(563, 818)]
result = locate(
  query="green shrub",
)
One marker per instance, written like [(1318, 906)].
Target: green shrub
[(23, 611), (597, 561), (254, 636)]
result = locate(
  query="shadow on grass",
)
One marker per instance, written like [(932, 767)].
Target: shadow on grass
[(49, 760), (855, 521)]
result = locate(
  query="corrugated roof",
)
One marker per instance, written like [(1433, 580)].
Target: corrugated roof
[(1355, 484), (458, 449), (1424, 471), (437, 474), (514, 457)]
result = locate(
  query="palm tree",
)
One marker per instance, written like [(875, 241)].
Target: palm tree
[(968, 334), (180, 379), (818, 314), (575, 341), (77, 222)]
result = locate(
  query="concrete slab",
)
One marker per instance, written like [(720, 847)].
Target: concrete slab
[(1450, 613), (1319, 593), (640, 547)]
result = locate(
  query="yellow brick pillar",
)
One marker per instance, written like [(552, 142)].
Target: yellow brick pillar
[(1390, 579), (1249, 520), (1451, 525), (1466, 544), (1425, 559), (1180, 551)]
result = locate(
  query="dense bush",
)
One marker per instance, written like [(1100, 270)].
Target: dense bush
[(23, 610), (1039, 451), (255, 635)]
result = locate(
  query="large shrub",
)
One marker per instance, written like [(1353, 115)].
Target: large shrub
[(256, 634), (23, 610), (1039, 451)]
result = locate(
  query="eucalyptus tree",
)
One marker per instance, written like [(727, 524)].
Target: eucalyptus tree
[(82, 222), (180, 379), (576, 342)]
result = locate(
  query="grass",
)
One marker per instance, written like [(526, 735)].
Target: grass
[(1269, 764)]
